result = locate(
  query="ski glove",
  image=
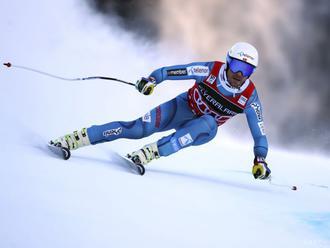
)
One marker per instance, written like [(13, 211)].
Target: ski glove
[(146, 85), (260, 169)]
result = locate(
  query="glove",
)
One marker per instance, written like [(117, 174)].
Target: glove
[(260, 169), (146, 85)]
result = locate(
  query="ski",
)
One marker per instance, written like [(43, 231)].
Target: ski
[(62, 152), (134, 165)]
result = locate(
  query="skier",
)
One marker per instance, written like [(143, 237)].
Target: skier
[(221, 91)]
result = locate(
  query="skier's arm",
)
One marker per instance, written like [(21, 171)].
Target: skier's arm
[(197, 71), (255, 120)]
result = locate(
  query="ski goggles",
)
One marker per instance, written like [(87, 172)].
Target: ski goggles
[(236, 65)]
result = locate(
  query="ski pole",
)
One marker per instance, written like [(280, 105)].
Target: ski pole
[(292, 187), (8, 64)]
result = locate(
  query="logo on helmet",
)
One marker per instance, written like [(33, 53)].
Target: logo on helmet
[(247, 56)]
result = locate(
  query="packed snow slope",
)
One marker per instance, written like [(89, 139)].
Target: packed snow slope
[(200, 197)]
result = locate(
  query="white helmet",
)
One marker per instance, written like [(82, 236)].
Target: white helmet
[(245, 52)]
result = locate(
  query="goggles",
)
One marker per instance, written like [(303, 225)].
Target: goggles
[(236, 65)]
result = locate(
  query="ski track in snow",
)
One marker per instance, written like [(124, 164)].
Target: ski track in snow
[(201, 197)]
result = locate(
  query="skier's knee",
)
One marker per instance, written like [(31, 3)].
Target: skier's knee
[(139, 128), (147, 128), (210, 122), (134, 128), (207, 131)]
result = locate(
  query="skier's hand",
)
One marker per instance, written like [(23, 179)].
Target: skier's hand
[(146, 85), (260, 169)]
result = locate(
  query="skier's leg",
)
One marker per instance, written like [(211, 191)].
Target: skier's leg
[(193, 133), (166, 116)]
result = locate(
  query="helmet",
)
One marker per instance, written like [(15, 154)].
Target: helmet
[(245, 52), (242, 57)]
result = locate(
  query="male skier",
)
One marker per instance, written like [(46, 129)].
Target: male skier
[(221, 91)]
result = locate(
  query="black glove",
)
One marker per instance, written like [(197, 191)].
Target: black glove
[(260, 169), (146, 85)]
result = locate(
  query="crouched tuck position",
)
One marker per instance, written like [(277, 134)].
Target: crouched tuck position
[(221, 91)]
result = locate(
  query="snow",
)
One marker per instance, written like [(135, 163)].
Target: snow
[(200, 197)]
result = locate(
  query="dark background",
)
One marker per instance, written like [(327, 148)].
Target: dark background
[(292, 39)]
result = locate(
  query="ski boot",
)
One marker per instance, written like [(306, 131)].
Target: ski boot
[(144, 155), (64, 144)]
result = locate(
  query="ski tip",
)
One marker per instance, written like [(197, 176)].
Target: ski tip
[(59, 150), (137, 167), (141, 169), (66, 153)]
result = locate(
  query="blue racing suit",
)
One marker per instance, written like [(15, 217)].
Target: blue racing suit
[(194, 115)]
